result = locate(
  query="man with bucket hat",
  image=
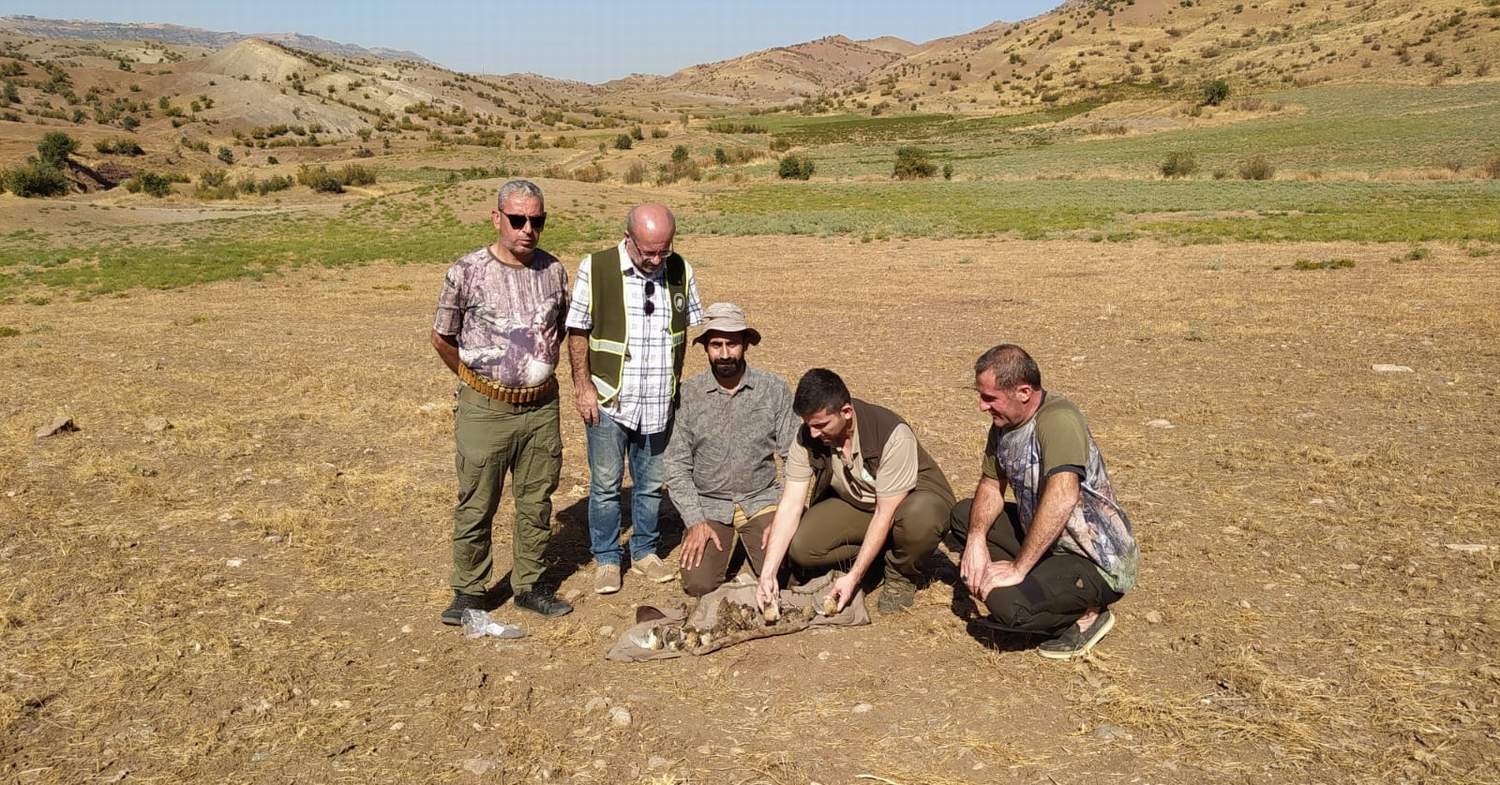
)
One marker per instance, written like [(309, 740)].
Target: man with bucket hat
[(732, 422)]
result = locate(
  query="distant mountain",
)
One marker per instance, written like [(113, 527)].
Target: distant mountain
[(192, 36)]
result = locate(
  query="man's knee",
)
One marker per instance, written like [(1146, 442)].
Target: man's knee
[(1010, 608), (958, 522), (697, 583)]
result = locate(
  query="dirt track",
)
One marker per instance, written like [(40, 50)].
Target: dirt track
[(1294, 522)]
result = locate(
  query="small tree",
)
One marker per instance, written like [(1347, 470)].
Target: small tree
[(1179, 164), (912, 163), (622, 142), (720, 157), (1215, 92), (795, 167), (226, 155), (947, 171), (55, 148), (35, 178), (679, 154)]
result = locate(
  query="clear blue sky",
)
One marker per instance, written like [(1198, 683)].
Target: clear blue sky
[(591, 40)]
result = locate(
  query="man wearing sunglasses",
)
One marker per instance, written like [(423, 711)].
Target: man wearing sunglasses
[(627, 338), (499, 328)]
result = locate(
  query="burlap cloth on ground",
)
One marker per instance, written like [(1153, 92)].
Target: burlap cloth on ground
[(630, 645)]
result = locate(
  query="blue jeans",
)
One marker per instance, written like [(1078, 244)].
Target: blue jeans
[(610, 445)]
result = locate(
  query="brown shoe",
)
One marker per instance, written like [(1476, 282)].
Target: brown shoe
[(654, 569), (607, 579)]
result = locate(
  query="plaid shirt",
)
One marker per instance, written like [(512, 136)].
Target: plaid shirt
[(646, 385)]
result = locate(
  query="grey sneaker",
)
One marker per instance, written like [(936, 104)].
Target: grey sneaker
[(898, 595), (607, 579), (654, 569), (1074, 642)]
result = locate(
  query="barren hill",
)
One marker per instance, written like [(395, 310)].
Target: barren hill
[(779, 74), (1085, 45), (191, 36)]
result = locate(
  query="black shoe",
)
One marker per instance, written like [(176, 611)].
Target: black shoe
[(543, 602), (453, 615)]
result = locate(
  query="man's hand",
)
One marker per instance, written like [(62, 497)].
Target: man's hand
[(586, 400), (768, 589), (697, 538), (973, 564), (998, 576), (844, 589)]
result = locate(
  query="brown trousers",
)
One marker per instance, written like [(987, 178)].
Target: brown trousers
[(711, 569), (833, 530)]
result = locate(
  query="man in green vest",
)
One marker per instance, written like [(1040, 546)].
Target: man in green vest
[(872, 487), (627, 337)]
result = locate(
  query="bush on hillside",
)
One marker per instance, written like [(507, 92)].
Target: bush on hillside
[(1179, 164), (55, 148), (1215, 92), (319, 179), (34, 178), (795, 167), (912, 163), (150, 183), (1256, 168), (622, 142)]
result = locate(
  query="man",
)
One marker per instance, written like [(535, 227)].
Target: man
[(499, 328), (721, 461), (873, 489), (627, 337), (1054, 561)]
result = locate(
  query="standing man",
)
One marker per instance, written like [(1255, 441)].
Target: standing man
[(721, 461), (499, 328), (627, 337), (873, 489), (1054, 561)]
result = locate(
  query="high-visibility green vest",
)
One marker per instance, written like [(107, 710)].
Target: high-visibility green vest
[(608, 337)]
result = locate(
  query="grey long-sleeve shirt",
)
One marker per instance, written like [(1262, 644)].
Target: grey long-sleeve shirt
[(724, 446)]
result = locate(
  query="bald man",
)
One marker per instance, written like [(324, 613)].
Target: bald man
[(627, 337)]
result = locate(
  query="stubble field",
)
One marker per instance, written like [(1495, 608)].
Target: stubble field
[(249, 591)]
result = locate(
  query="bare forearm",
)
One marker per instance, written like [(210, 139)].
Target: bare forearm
[(578, 358), (989, 500), (1059, 498), (784, 525), (447, 350)]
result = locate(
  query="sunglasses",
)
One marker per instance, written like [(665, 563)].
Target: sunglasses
[(649, 307), (518, 221)]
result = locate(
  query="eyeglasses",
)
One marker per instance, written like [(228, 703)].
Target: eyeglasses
[(649, 307), (655, 257), (518, 221)]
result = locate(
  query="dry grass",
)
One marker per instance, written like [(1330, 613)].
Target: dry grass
[(1293, 523)]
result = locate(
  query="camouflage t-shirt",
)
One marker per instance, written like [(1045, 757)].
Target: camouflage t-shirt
[(1057, 439), (509, 320)]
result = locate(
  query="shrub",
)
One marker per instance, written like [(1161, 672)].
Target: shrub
[(1215, 92), (947, 171), (356, 174), (55, 148), (622, 142), (730, 127), (679, 153), (226, 155), (636, 133), (272, 160), (795, 167), (720, 157), (1491, 167), (275, 182), (658, 133), (635, 173), (912, 163), (319, 179), (1256, 168), (780, 144), (119, 147), (150, 182), (1179, 164), (35, 178)]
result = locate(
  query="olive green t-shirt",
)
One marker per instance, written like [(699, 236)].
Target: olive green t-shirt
[(1062, 435), (896, 474)]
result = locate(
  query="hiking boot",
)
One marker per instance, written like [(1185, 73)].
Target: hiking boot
[(1074, 642), (653, 569), (607, 579), (453, 615), (898, 595), (543, 602)]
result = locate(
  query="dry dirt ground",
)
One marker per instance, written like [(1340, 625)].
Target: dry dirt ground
[(251, 595)]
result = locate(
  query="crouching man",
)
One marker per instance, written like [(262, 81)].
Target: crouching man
[(873, 490), (1054, 561), (732, 423)]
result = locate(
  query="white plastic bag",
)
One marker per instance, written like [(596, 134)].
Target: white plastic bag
[(478, 624)]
